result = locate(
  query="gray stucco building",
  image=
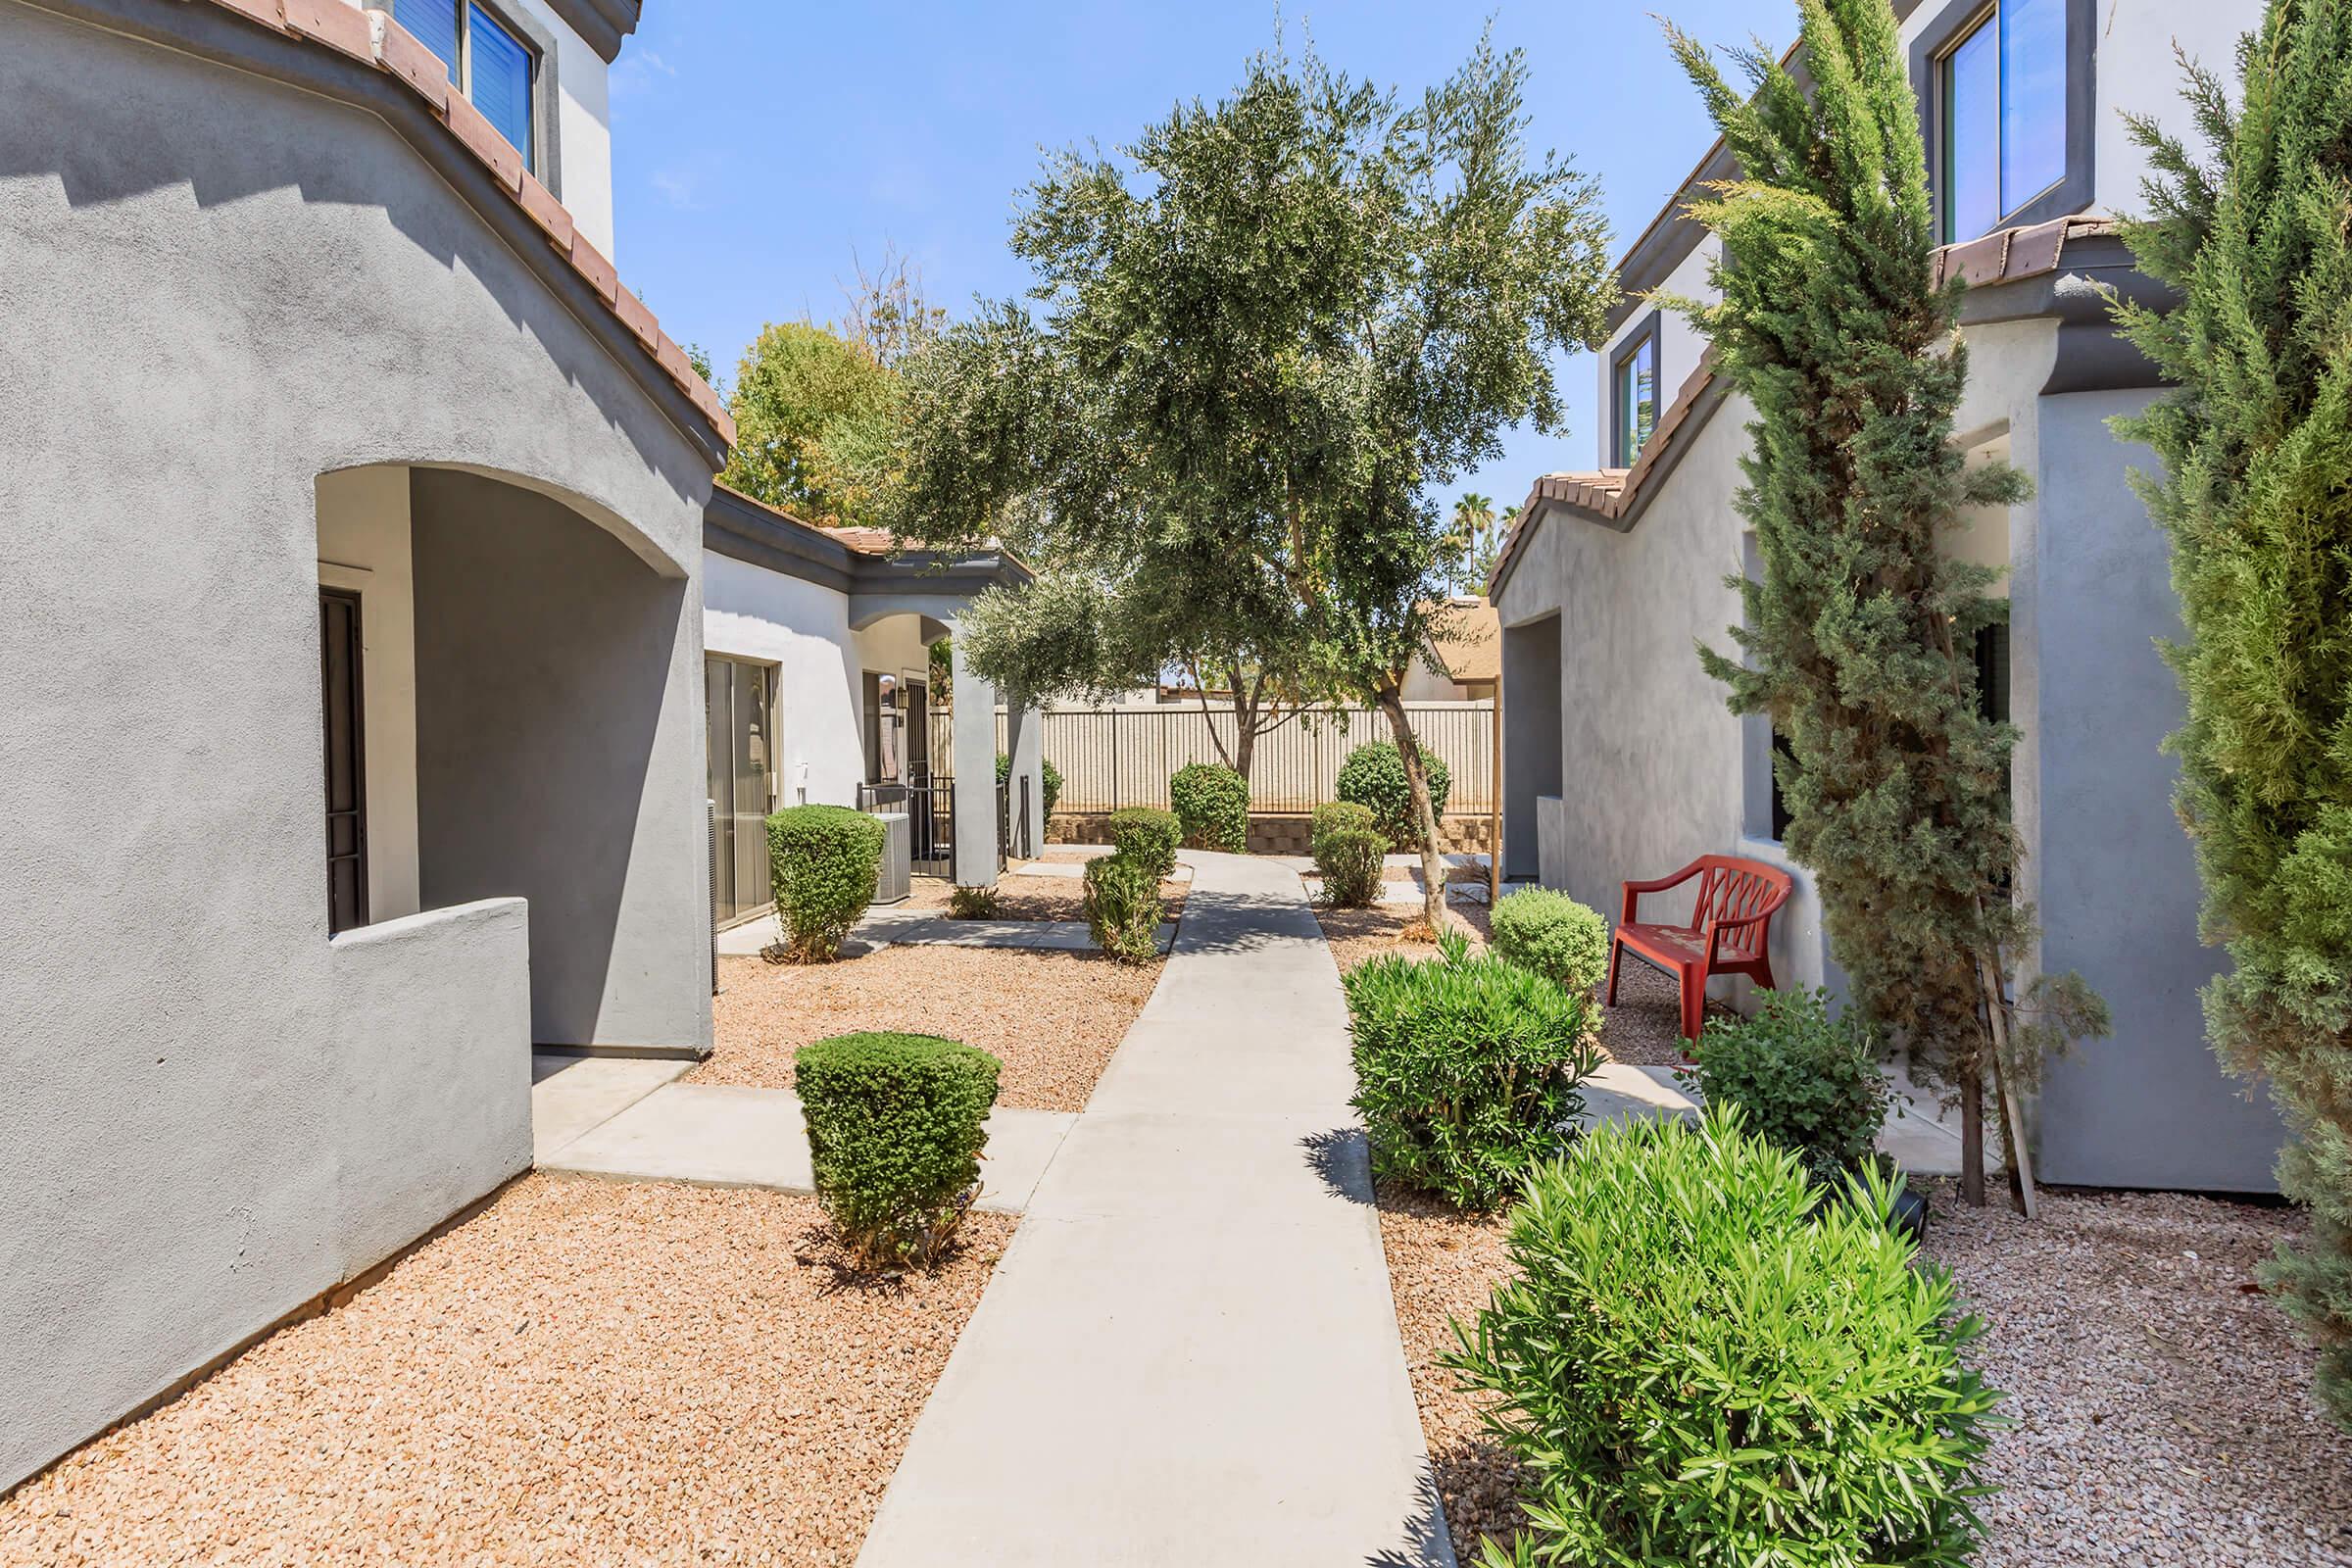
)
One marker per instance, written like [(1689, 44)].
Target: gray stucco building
[(353, 544), (1621, 761)]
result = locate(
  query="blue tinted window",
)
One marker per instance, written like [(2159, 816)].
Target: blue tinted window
[(435, 26), (2033, 99), (1971, 136), (501, 86)]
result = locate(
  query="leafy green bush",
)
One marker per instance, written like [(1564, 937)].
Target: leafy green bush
[(1695, 1367), (1806, 1082), (1149, 836), (973, 903), (1048, 780), (895, 1136), (1123, 909), (1373, 775), (1466, 1069), (1565, 942), (1349, 853), (1213, 807), (823, 863)]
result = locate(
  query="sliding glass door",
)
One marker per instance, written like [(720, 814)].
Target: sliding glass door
[(742, 701)]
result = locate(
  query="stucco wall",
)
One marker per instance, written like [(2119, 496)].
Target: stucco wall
[(218, 289), (802, 628)]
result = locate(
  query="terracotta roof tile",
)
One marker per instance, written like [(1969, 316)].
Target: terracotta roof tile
[(375, 37), (866, 541)]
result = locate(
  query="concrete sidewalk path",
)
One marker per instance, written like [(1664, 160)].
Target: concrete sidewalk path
[(1189, 1353)]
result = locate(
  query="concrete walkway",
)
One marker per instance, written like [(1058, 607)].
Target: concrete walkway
[(1189, 1352), (1919, 1141)]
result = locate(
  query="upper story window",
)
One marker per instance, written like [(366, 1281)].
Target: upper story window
[(1633, 394), (489, 62), (2000, 128)]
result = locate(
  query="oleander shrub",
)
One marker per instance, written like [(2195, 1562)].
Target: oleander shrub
[(1149, 836), (1373, 775), (1123, 909), (1467, 1069), (973, 903), (1564, 940), (895, 1136), (823, 863), (1213, 807), (1804, 1081), (1348, 849), (1697, 1363), (1048, 780)]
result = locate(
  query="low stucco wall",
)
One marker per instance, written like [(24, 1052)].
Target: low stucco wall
[(219, 287)]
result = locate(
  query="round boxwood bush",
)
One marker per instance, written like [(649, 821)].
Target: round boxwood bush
[(1349, 850), (1466, 1069), (1213, 807), (1564, 940), (1147, 836), (1807, 1081), (894, 1137), (1048, 780), (823, 861), (1698, 1362), (1123, 911), (1373, 775)]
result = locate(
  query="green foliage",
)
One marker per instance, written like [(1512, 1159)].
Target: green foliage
[(1806, 1082), (1696, 1369), (1858, 640), (1466, 1069), (1213, 807), (1350, 852), (1565, 942), (1475, 543), (809, 409), (2257, 496), (1123, 911), (1048, 780), (973, 903), (895, 1136), (1147, 836), (825, 861), (1373, 775)]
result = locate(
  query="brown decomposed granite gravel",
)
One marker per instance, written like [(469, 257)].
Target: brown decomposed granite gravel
[(1052, 1018), (1037, 898), (2162, 1410), (1357, 935), (584, 1373)]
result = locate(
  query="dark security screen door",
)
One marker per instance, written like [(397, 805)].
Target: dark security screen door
[(346, 759)]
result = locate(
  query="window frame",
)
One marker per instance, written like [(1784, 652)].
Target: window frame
[(1932, 50), (1648, 334), (543, 157)]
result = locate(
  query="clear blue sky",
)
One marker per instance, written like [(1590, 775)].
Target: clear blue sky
[(757, 145)]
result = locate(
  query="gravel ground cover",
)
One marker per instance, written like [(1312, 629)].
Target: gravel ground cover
[(1357, 935), (1036, 897), (584, 1373), (2163, 1411), (1052, 1018)]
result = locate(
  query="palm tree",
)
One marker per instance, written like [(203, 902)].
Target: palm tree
[(1474, 542)]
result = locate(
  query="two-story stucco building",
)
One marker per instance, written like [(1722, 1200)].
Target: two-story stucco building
[(1622, 760)]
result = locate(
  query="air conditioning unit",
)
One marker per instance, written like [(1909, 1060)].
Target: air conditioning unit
[(897, 880)]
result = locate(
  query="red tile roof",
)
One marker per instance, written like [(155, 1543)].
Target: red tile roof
[(376, 38)]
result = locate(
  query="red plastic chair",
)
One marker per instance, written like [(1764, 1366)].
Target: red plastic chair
[(1729, 930)]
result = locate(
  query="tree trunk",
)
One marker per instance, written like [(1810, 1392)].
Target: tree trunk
[(1972, 1140), (2013, 1123), (1425, 817), (1245, 722)]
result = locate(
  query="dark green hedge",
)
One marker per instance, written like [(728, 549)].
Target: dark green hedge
[(1213, 807), (1373, 775), (825, 861), (1149, 836), (1123, 909), (895, 1135)]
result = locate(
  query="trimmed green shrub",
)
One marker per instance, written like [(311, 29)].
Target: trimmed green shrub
[(1349, 855), (1565, 942), (823, 863), (973, 903), (1466, 1069), (1149, 836), (1806, 1082), (1373, 775), (1696, 1367), (1334, 815), (895, 1136), (1213, 807), (1048, 780), (1123, 909)]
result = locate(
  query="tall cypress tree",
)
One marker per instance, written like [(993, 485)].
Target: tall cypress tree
[(1859, 639), (2257, 496)]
